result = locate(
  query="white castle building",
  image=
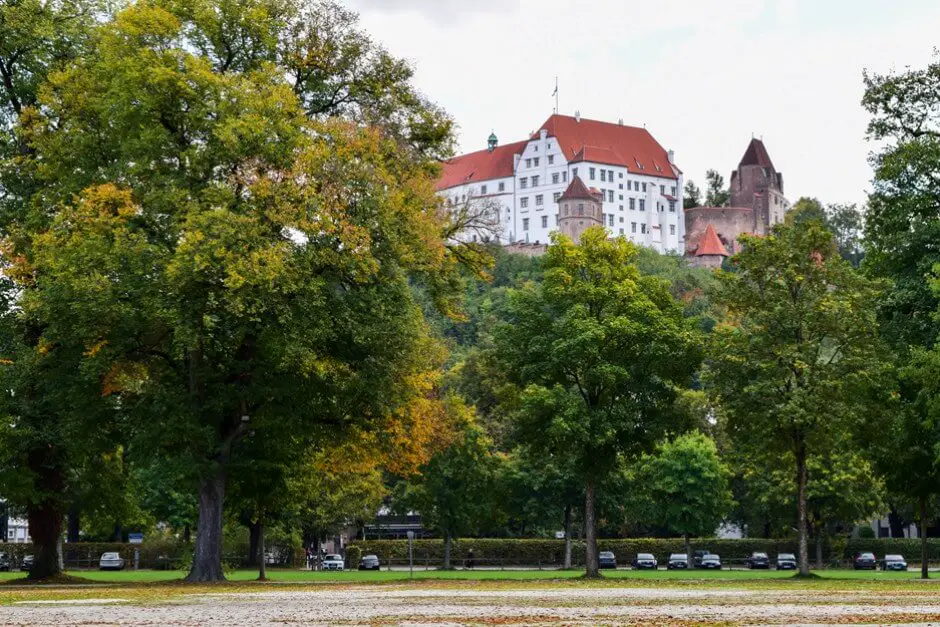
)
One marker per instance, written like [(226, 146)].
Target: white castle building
[(637, 180)]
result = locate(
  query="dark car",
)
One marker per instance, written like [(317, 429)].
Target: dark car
[(711, 562), (645, 561), (697, 558), (866, 561), (27, 563), (893, 562), (678, 561), (607, 560), (758, 560), (369, 562), (4, 561), (786, 561)]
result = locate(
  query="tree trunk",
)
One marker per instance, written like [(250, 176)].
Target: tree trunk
[(568, 536), (186, 534), (447, 542), (895, 524), (254, 533), (207, 554), (262, 565), (74, 524), (801, 478), (923, 538), (688, 548), (118, 532), (45, 527), (590, 530)]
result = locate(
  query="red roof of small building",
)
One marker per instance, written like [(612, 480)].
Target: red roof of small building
[(711, 244), (613, 144), (483, 165), (578, 190)]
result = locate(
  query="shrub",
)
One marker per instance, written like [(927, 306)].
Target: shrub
[(353, 555)]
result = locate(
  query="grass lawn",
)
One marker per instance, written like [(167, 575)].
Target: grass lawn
[(305, 576)]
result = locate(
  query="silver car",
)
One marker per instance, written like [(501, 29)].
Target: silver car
[(111, 561), (333, 562)]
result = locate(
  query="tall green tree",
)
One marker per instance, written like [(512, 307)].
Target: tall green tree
[(807, 209), (847, 222), (595, 353), (692, 195), (717, 193), (683, 487), (795, 363), (222, 245)]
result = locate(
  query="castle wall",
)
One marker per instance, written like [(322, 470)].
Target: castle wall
[(729, 223)]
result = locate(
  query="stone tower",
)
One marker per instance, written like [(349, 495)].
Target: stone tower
[(756, 184), (579, 208)]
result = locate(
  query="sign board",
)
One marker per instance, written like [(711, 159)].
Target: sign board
[(559, 535), (135, 538), (411, 535)]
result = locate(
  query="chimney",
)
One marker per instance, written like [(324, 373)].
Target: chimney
[(620, 121), (577, 116), (672, 157), (543, 134)]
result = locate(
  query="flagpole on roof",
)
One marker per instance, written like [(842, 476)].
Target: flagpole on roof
[(555, 93)]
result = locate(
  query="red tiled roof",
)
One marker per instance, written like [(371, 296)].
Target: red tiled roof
[(711, 244), (613, 144), (756, 154), (578, 190), (480, 166)]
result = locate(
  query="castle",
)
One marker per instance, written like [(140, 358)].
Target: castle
[(756, 204)]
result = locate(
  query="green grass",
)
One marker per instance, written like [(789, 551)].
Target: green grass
[(304, 576)]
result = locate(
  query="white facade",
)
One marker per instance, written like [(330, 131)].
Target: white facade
[(643, 208), (17, 531)]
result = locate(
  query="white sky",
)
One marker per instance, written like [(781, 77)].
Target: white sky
[(787, 70)]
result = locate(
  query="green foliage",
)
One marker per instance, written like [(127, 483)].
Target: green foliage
[(353, 556), (683, 486), (716, 193), (692, 195), (866, 533)]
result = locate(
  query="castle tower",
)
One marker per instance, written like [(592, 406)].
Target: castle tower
[(757, 184), (579, 208), (711, 252)]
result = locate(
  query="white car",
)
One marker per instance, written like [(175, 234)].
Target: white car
[(111, 561), (333, 562)]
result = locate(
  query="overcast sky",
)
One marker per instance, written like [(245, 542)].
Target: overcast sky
[(701, 75)]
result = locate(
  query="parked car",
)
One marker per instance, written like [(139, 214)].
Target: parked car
[(697, 558), (4, 561), (645, 561), (607, 559), (369, 562), (333, 562), (111, 561), (678, 561), (893, 562), (27, 563), (786, 561), (758, 560), (866, 561), (711, 562)]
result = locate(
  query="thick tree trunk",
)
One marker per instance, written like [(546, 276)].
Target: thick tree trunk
[(447, 542), (262, 565), (207, 554), (924, 574), (895, 524), (45, 527), (568, 536), (590, 530), (74, 524), (801, 479), (254, 535)]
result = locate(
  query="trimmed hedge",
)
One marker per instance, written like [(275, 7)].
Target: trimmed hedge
[(550, 552)]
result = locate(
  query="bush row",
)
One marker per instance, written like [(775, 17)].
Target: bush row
[(534, 552)]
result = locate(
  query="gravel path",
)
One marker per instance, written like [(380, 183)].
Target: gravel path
[(370, 605)]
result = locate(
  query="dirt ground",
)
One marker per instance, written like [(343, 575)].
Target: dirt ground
[(519, 605)]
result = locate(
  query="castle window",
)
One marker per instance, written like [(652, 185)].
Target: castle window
[(525, 224), (592, 172), (535, 161), (535, 181), (539, 200), (610, 175), (644, 188), (621, 231), (483, 190), (643, 228), (502, 187), (672, 229), (633, 227), (610, 219), (673, 190), (621, 219), (528, 163), (621, 186), (633, 204), (566, 208), (642, 205), (524, 202), (564, 177), (556, 196), (574, 171), (621, 176), (672, 206), (662, 190), (544, 222), (555, 178), (621, 197), (580, 208), (551, 159), (523, 183), (603, 175), (610, 195)]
